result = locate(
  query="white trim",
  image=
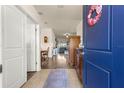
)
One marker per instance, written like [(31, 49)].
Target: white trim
[(38, 48)]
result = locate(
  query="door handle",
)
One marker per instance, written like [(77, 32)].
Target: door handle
[(0, 68)]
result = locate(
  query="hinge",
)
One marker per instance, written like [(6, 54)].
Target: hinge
[(0, 68), (35, 29)]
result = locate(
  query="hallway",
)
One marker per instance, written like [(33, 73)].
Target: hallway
[(24, 37), (56, 62), (57, 74)]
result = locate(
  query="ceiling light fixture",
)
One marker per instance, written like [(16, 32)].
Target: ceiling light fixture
[(67, 35)]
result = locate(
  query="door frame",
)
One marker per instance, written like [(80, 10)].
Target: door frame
[(37, 44), (38, 49), (31, 45), (38, 33)]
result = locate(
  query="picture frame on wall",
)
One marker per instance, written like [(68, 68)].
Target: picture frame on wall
[(45, 39)]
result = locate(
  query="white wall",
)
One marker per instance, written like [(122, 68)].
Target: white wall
[(51, 40), (31, 11), (79, 30)]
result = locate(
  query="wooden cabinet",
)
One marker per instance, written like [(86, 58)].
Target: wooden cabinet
[(74, 42), (79, 62)]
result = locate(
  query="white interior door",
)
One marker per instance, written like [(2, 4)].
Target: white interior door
[(31, 45), (13, 27)]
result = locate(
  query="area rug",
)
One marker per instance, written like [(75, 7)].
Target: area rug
[(57, 79)]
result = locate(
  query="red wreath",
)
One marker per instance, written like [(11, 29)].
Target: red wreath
[(98, 10)]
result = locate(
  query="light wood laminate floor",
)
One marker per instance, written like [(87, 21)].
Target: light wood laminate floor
[(57, 62), (39, 79)]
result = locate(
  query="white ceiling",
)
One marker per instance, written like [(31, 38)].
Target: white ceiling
[(61, 18)]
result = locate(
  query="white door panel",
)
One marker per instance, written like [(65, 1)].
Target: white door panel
[(14, 71), (13, 74)]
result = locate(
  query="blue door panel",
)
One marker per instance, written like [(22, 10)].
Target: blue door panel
[(118, 46), (118, 68), (118, 26), (98, 36), (97, 77), (97, 48), (100, 58)]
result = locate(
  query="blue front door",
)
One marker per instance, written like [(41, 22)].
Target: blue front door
[(104, 49), (98, 55)]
